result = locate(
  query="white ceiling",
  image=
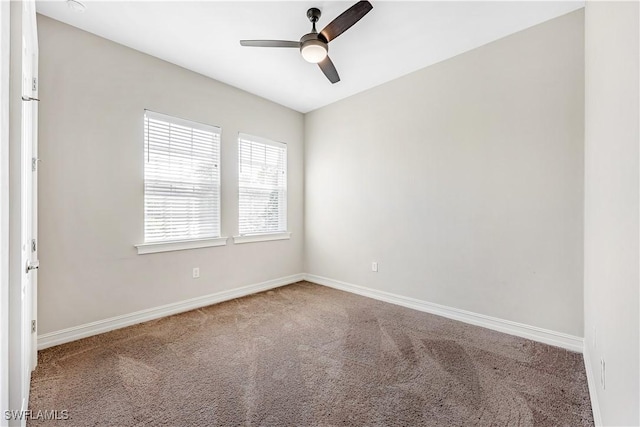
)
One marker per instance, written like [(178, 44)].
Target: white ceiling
[(394, 39)]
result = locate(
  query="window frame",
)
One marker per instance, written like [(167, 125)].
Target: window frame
[(148, 247)]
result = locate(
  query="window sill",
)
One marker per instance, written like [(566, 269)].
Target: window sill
[(179, 245), (251, 238)]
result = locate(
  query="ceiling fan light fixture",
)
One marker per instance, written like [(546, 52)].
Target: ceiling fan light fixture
[(314, 51)]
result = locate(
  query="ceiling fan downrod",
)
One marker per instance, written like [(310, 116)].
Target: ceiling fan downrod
[(314, 16)]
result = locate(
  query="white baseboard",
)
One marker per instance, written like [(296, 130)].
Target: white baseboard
[(593, 392), (94, 328), (546, 336), (534, 333)]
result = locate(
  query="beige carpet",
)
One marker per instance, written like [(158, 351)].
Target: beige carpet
[(306, 355)]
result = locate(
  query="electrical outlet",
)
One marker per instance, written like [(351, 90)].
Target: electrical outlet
[(603, 374), (196, 272), (374, 266)]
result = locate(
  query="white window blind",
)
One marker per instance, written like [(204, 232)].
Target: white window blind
[(262, 185), (181, 179)]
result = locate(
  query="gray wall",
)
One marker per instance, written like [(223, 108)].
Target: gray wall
[(611, 206), (463, 180), (93, 95)]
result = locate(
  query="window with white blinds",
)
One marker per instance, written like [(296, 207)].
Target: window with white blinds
[(181, 179), (262, 185)]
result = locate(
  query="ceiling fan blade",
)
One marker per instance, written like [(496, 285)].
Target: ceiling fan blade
[(329, 70), (270, 43), (346, 19)]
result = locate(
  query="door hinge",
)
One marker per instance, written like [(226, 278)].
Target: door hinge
[(33, 326), (34, 164), (34, 84), (33, 245)]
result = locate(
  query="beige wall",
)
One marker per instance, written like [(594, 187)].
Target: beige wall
[(93, 95), (463, 180), (612, 135)]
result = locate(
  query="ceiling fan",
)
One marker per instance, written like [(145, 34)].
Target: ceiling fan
[(314, 46)]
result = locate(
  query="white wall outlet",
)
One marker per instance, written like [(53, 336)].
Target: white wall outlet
[(196, 272), (603, 374), (374, 266)]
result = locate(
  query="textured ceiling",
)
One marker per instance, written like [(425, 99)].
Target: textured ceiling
[(394, 39)]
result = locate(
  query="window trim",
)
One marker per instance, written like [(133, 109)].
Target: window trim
[(262, 237), (179, 245)]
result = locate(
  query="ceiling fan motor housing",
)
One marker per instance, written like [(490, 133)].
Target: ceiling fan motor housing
[(312, 38)]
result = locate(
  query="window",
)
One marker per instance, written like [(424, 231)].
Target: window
[(181, 181), (262, 188)]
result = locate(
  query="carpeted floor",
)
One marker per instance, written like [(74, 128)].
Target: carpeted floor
[(305, 355)]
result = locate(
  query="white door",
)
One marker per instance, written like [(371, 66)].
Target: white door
[(32, 164), (29, 194)]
